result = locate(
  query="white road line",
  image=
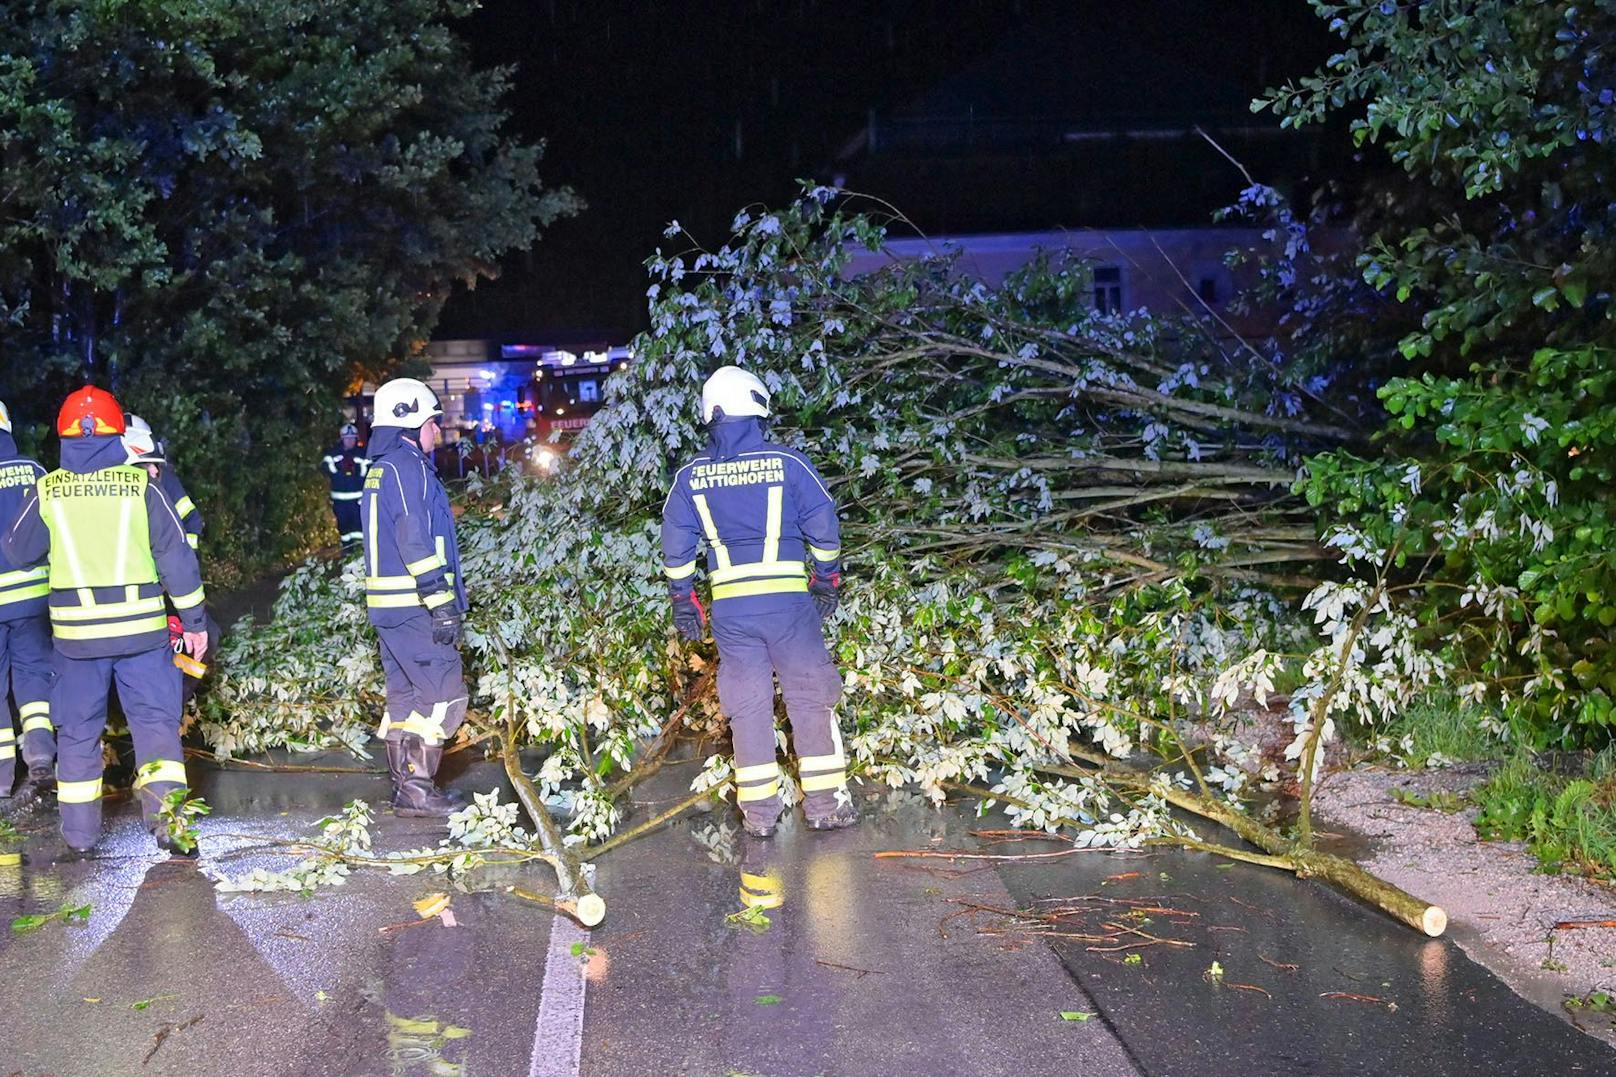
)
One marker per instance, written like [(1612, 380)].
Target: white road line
[(558, 1034)]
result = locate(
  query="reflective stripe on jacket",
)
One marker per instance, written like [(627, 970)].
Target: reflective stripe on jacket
[(190, 516), (762, 511), (23, 590), (345, 470), (412, 556)]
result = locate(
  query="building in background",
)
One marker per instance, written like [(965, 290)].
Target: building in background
[(1086, 117), (1165, 271), (1088, 130)]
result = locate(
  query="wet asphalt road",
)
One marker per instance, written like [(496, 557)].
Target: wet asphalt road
[(873, 966)]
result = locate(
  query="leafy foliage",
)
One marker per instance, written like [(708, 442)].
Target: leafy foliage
[(1058, 524), (223, 211), (178, 817), (1569, 823), (1493, 487), (67, 913), (483, 832)]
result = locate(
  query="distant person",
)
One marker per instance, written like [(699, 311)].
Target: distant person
[(25, 641), (117, 554), (148, 452), (773, 561), (414, 593), (345, 466)]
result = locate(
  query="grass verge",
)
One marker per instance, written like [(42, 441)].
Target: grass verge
[(1569, 823)]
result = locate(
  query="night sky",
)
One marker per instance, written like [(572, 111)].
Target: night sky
[(655, 110)]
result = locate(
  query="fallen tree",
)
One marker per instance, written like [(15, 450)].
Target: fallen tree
[(1059, 525)]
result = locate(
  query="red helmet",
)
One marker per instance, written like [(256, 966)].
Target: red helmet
[(89, 411)]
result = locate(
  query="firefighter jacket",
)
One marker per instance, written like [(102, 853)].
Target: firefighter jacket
[(190, 516), (763, 512), (114, 546), (412, 559), (22, 591), (345, 470)]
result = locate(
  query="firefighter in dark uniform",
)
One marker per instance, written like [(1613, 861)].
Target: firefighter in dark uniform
[(25, 642), (115, 548), (413, 592), (150, 454), (772, 540), (345, 467)]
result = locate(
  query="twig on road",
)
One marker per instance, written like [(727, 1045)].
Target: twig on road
[(850, 968)]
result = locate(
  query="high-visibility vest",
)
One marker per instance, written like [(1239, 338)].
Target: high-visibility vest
[(101, 564)]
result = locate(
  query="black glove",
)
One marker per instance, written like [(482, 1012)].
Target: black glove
[(446, 624), (826, 592), (689, 616)]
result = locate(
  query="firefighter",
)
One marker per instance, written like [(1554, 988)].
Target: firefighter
[(149, 454), (414, 593), (25, 647), (345, 469), (115, 546), (773, 562)]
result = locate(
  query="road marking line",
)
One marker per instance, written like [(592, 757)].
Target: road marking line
[(558, 1033)]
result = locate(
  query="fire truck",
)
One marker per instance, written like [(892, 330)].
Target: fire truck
[(565, 390)]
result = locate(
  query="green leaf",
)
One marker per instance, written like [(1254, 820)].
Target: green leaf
[(769, 1000), (23, 924), (1075, 1015)]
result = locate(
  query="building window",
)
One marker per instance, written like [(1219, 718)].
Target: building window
[(1208, 290), (1107, 289)]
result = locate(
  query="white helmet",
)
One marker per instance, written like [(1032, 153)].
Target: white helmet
[(5, 418), (735, 392), (405, 403), (139, 444)]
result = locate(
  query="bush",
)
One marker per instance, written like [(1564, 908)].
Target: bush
[(1568, 823)]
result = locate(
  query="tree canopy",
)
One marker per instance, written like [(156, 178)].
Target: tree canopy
[(1491, 482), (225, 210)]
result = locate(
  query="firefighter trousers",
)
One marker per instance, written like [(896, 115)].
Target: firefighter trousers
[(25, 669), (754, 648), (149, 694), (426, 689), (346, 509)]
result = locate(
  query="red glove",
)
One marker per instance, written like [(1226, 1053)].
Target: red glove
[(689, 615), (826, 593)]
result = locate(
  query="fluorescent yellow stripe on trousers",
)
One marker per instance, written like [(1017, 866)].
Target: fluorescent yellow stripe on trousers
[(758, 773), (85, 792), (160, 770), (746, 793), (819, 783)]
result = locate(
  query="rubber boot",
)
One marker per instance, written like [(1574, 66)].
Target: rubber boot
[(839, 818), (413, 762), (35, 788)]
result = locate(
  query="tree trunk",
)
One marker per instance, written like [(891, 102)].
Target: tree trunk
[(1338, 871)]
